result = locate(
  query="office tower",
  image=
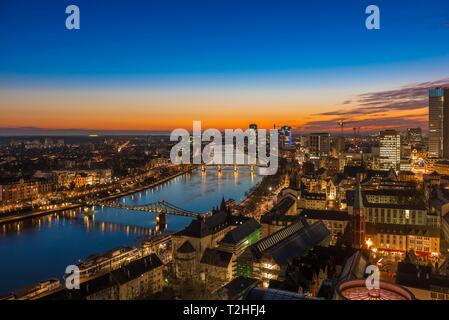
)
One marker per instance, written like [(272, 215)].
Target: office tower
[(340, 145), (406, 150), (439, 123), (390, 149), (304, 141), (286, 135), (252, 136), (319, 144), (414, 135), (445, 130)]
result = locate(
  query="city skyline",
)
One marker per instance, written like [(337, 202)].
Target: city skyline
[(229, 151), (159, 66)]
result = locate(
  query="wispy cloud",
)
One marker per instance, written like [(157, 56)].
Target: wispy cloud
[(400, 108)]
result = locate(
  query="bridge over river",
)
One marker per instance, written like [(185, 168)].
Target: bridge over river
[(159, 207), (50, 243)]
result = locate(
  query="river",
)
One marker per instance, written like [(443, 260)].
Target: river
[(41, 248)]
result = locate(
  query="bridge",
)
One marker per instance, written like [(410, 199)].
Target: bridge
[(240, 158), (221, 166), (160, 207)]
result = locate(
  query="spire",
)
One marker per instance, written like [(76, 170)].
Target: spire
[(223, 206), (358, 199)]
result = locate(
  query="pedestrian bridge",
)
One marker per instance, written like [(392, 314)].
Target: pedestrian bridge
[(160, 207)]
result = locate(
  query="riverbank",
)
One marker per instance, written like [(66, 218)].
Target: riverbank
[(143, 188), (261, 198), (24, 216), (42, 248)]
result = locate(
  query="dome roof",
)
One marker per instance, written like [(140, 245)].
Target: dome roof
[(357, 290)]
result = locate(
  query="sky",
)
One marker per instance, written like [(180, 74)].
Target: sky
[(160, 64)]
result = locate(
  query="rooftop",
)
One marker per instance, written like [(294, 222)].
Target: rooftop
[(239, 233), (200, 228), (290, 242), (418, 205), (129, 272), (216, 257), (136, 268), (325, 215), (186, 247), (402, 229), (238, 287), (283, 206)]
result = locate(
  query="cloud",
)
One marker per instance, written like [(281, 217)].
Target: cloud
[(366, 125), (381, 109)]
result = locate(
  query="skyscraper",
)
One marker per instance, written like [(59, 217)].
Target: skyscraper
[(319, 144), (286, 135), (390, 149), (414, 135), (340, 144), (252, 137), (439, 123)]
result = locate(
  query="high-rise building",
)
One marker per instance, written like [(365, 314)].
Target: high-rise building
[(319, 144), (252, 136), (414, 135), (286, 135), (340, 144), (390, 150), (439, 123)]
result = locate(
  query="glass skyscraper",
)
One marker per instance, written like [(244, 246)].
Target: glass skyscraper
[(439, 123)]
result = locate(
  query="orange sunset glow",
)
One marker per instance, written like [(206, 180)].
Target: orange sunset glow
[(229, 108)]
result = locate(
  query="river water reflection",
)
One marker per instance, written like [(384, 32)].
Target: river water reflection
[(41, 248)]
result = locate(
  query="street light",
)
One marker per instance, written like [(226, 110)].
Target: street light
[(369, 243)]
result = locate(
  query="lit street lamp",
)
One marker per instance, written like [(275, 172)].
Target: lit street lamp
[(369, 243)]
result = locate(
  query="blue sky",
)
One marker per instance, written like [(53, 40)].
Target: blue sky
[(218, 45), (200, 37)]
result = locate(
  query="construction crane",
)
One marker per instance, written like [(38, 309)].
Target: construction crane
[(341, 123)]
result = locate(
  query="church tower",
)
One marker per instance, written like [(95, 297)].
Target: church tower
[(358, 219)]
